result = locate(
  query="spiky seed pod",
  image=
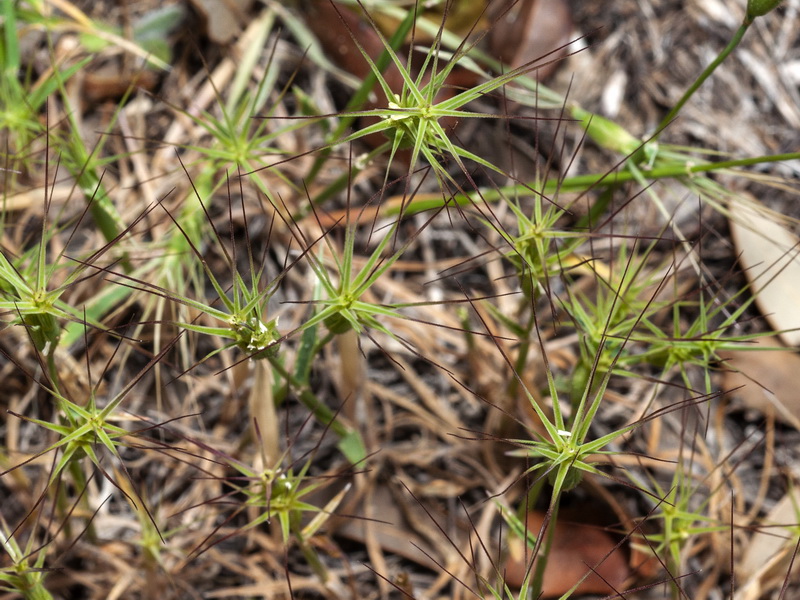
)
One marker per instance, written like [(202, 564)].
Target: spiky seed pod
[(337, 324), (257, 338), (758, 8)]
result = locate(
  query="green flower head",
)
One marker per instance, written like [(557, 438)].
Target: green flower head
[(758, 8)]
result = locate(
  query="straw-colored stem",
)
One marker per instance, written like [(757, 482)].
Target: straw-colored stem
[(263, 414), (352, 373)]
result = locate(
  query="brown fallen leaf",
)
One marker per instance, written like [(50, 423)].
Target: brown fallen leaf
[(577, 549), (530, 30), (112, 84), (336, 27), (463, 18), (770, 256), (765, 380)]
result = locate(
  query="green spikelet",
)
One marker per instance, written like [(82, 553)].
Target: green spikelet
[(758, 8)]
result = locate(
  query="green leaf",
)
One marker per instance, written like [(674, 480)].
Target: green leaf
[(352, 446)]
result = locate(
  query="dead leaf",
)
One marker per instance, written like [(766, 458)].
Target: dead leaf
[(770, 255), (113, 83), (770, 552), (223, 19), (463, 18), (531, 30), (765, 380), (577, 549), (335, 26)]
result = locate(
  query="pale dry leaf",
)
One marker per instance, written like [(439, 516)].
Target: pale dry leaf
[(765, 380), (224, 19), (770, 551), (770, 255)]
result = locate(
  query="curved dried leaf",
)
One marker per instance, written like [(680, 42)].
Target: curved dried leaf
[(770, 551), (530, 30), (766, 381), (770, 255), (577, 549), (223, 19)]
